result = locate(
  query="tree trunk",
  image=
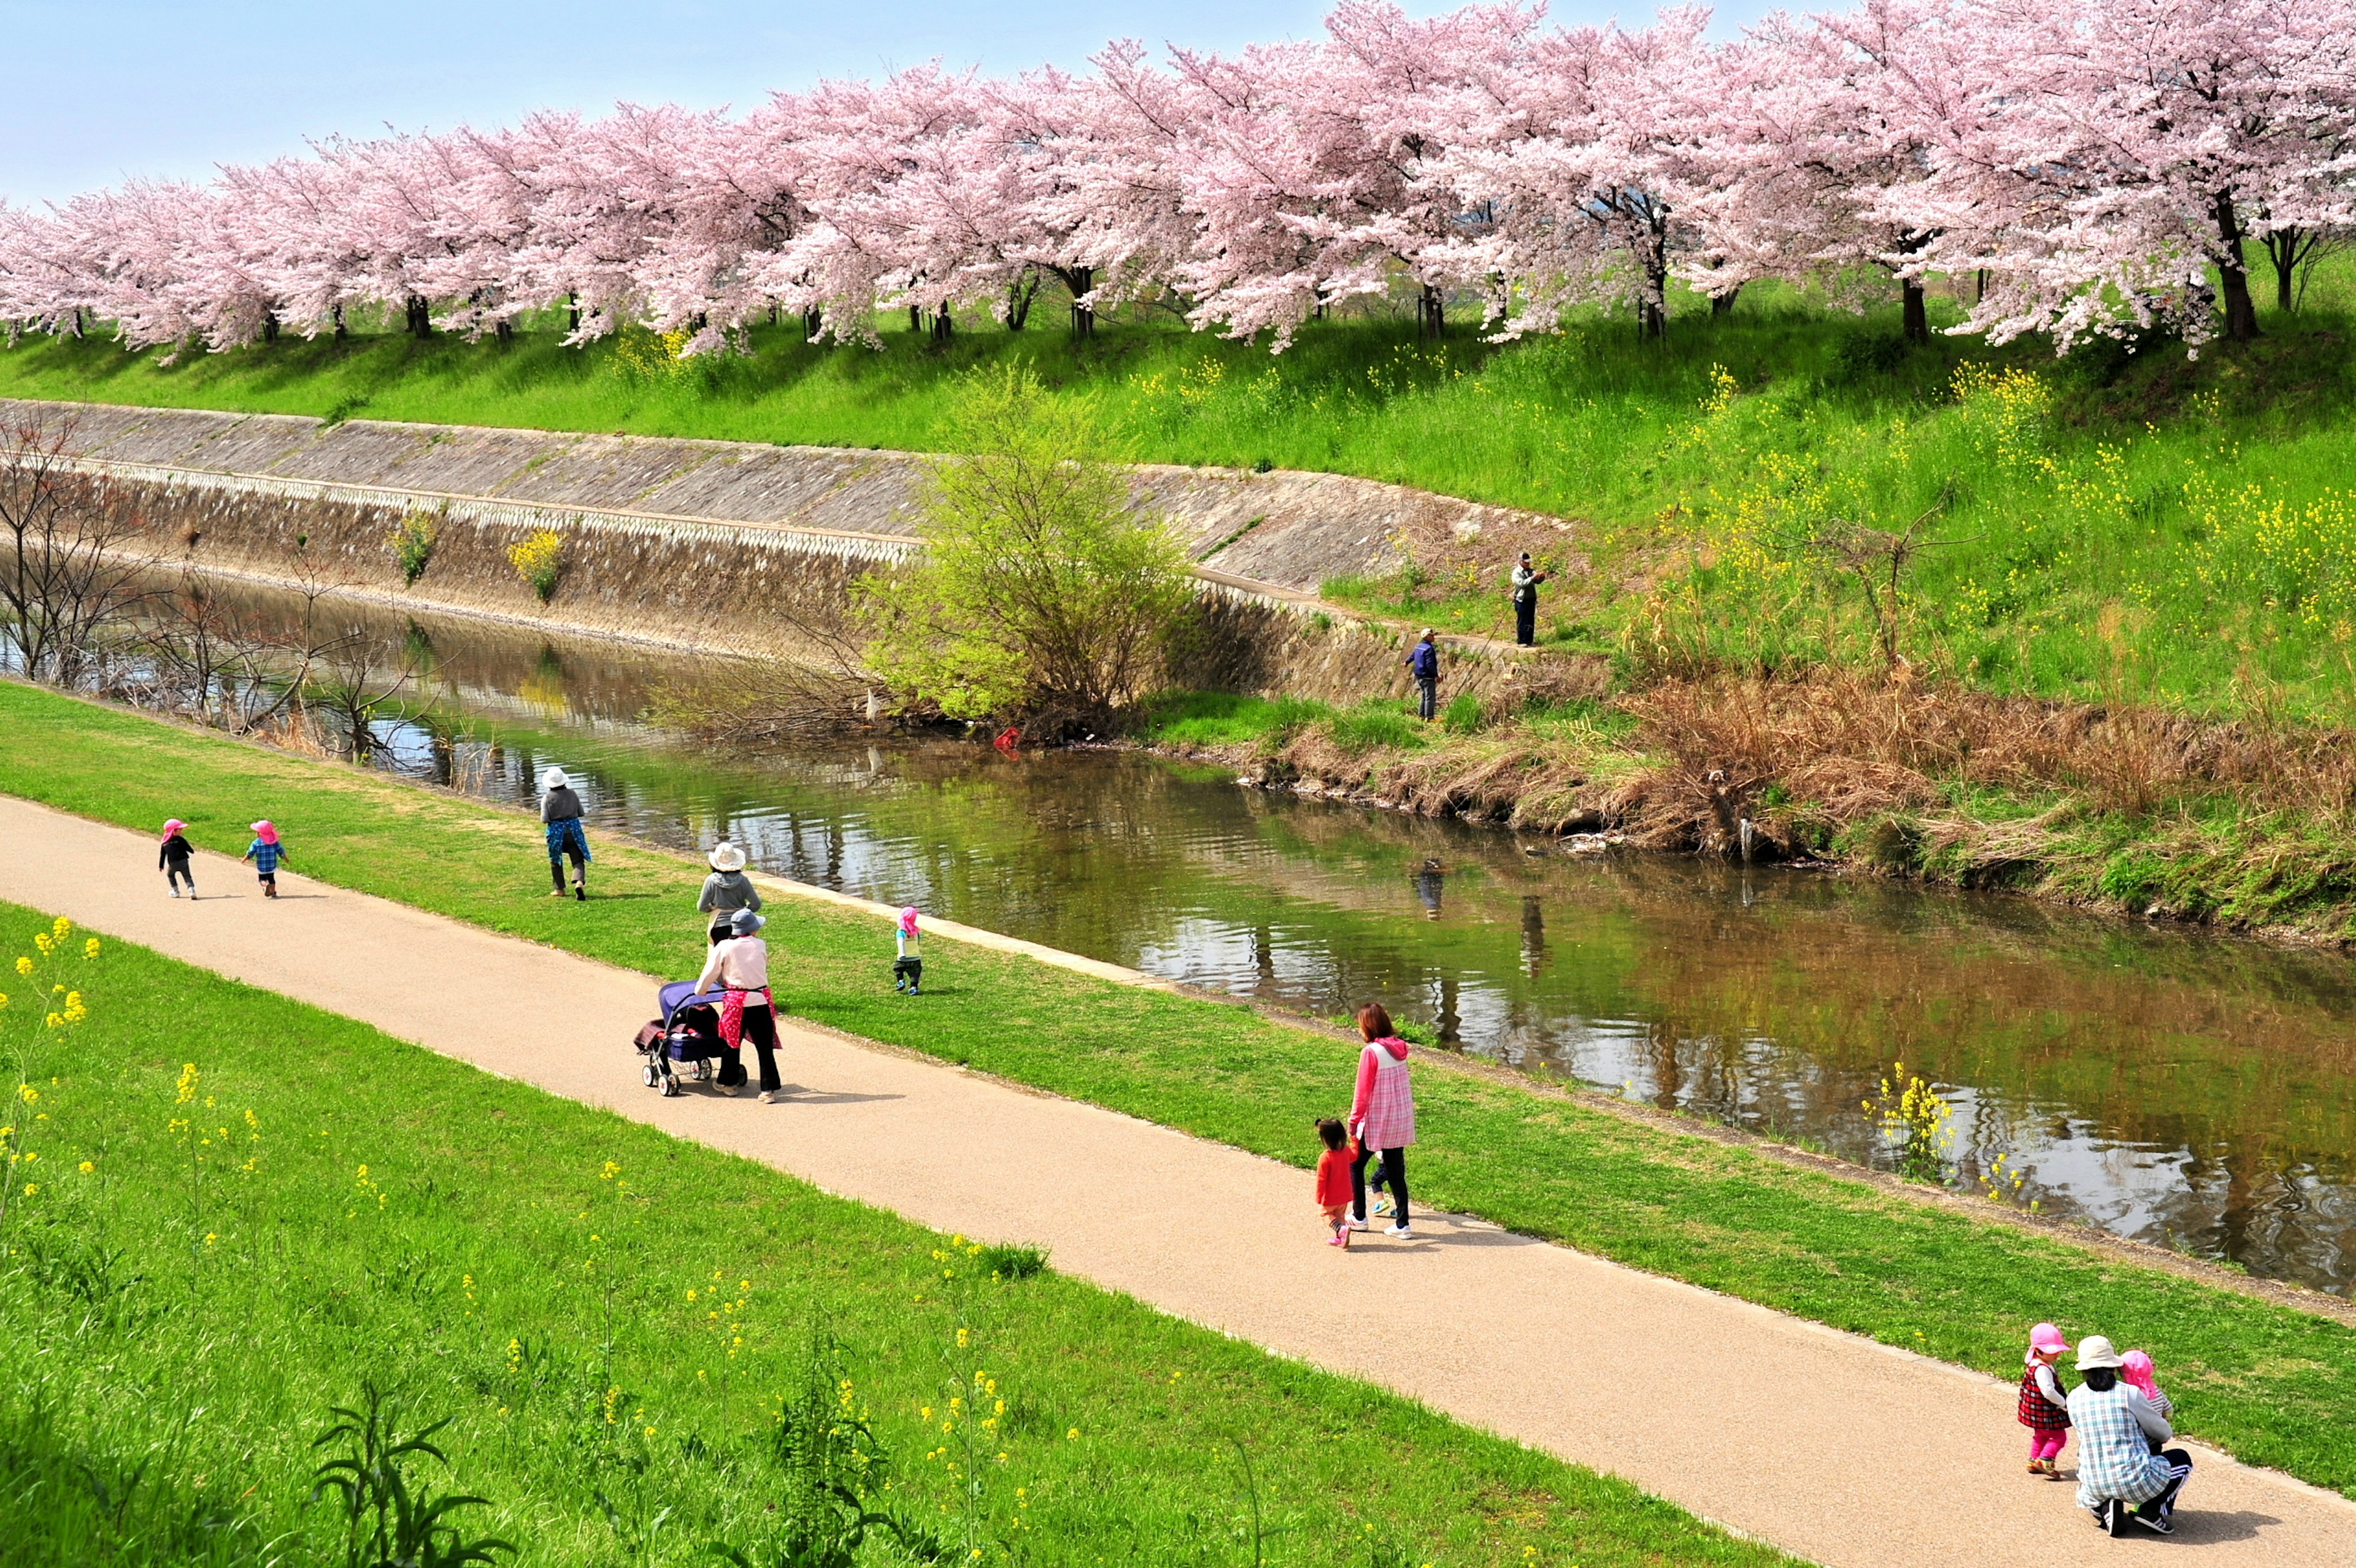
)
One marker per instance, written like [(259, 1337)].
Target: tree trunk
[(1918, 315), (1722, 303), (270, 326), (1979, 286), (916, 318), (341, 330), (421, 318), (2282, 249), (573, 313), (944, 325), (2241, 311), (813, 323), (1431, 311), (1080, 280), (504, 331)]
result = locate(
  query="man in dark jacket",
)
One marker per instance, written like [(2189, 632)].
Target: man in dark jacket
[(1423, 663)]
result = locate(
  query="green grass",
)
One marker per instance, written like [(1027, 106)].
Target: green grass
[(2275, 1385), (2113, 524), (1225, 719), (611, 1321)]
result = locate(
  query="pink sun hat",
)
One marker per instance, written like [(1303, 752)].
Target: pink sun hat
[(908, 920), (2044, 1338), (265, 832), (173, 827), (2135, 1367)]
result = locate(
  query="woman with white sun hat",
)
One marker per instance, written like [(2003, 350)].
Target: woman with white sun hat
[(2124, 1474), (560, 813), (727, 890)]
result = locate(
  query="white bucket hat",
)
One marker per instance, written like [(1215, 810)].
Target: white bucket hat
[(553, 779), (727, 856), (2095, 1353)]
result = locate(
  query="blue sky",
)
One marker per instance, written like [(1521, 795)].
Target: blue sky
[(106, 89)]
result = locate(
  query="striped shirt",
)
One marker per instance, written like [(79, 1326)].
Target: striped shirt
[(2115, 1458)]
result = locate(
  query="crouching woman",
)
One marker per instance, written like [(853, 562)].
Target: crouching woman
[(2125, 1472)]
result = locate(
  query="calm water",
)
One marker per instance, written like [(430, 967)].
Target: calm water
[(2172, 1086)]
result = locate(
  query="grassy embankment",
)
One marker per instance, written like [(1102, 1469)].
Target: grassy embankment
[(2269, 1383), (196, 1270), (2159, 547)]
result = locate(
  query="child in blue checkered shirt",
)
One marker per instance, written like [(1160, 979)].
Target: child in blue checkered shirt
[(266, 852)]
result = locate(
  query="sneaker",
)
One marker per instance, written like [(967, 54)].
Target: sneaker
[(729, 1090), (1339, 1238), (773, 1096), (2158, 1523), (176, 892), (1352, 1222), (1400, 1231), (1383, 1205), (2112, 1517), (557, 894), (581, 893)]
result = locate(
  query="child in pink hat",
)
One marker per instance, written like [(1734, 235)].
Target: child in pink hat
[(266, 852), (909, 968), (2136, 1368), (2044, 1410), (172, 857)]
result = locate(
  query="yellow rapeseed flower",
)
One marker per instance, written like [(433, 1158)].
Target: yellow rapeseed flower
[(90, 948), (87, 1168)]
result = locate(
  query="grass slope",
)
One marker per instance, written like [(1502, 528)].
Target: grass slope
[(2276, 1386), (2120, 524), (613, 1321)]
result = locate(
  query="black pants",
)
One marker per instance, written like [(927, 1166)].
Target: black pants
[(1427, 697), (908, 970), (175, 872), (1526, 620), (761, 1028), (556, 871), (1394, 1176), (2160, 1507)]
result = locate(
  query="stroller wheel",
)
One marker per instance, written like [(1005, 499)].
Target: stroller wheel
[(670, 1088), (652, 1074)]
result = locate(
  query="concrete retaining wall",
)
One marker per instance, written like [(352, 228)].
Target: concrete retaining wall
[(717, 544)]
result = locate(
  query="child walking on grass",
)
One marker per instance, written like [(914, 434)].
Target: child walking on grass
[(2044, 1410), (1334, 1187), (173, 856), (266, 852), (909, 968)]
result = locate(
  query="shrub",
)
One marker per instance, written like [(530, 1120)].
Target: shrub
[(1462, 715), (411, 542), (1010, 1261), (1041, 593), (540, 562)]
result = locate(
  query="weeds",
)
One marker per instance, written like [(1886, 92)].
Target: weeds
[(390, 1519), (411, 542), (539, 560)]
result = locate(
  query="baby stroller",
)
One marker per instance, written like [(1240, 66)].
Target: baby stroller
[(684, 1040)]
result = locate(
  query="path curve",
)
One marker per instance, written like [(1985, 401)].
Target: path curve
[(1830, 1446)]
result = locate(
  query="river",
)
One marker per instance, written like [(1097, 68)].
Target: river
[(2168, 1085)]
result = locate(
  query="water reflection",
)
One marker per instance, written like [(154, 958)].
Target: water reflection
[(2168, 1085)]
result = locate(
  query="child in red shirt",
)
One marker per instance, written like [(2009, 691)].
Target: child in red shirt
[(1334, 1181)]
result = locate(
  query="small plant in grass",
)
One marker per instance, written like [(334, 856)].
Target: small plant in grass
[(392, 1519), (1462, 715), (834, 1470), (1011, 1262), (47, 1005), (411, 542), (540, 562)]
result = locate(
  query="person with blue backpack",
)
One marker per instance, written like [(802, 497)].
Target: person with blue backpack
[(1423, 663)]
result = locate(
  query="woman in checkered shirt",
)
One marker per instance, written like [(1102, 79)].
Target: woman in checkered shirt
[(2120, 1475)]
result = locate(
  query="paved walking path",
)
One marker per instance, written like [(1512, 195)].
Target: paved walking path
[(1827, 1445)]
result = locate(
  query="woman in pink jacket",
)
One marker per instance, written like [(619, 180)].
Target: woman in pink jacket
[(1382, 1117)]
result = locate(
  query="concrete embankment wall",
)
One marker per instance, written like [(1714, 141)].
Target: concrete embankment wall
[(720, 545)]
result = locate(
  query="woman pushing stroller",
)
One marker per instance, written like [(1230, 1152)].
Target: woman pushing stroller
[(739, 967)]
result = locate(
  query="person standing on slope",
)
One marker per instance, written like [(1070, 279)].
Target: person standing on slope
[(1527, 579), (1423, 663), (1382, 1117), (560, 813)]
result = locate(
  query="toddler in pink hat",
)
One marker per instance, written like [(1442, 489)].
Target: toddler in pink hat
[(2044, 1410)]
